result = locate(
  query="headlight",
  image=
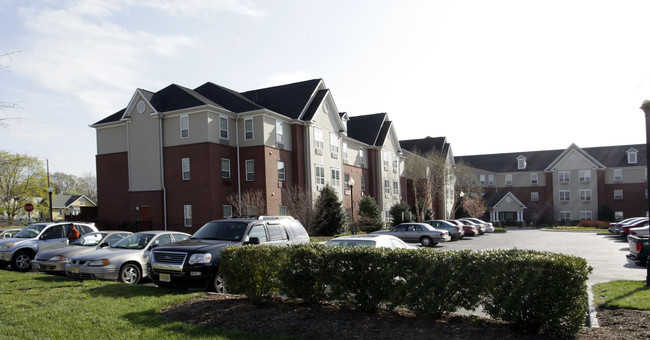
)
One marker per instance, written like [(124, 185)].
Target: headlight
[(7, 245), (200, 258), (59, 259), (102, 262)]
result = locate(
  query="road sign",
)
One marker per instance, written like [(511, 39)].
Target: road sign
[(29, 207)]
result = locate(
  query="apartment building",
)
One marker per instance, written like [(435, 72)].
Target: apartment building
[(563, 185), (170, 158)]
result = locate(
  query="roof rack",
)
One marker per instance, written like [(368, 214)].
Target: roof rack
[(263, 217)]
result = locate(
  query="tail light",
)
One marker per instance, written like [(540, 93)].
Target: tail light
[(639, 247), (633, 233)]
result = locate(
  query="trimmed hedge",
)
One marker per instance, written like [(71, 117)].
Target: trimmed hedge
[(535, 291)]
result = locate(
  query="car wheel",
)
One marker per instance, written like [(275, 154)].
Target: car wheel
[(217, 284), (22, 261), (130, 274), (426, 241)]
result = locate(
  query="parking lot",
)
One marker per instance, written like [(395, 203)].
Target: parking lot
[(605, 253)]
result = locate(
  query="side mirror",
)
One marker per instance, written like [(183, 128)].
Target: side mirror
[(154, 246), (104, 245), (253, 240)]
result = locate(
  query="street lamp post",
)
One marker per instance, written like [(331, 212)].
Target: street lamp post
[(646, 109), (351, 184), (49, 192)]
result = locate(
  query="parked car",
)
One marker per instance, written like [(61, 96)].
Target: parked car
[(614, 227), (489, 227), (455, 231), (468, 228), (639, 250), (427, 235), (20, 250), (642, 231), (125, 260), (9, 233), (195, 262), (480, 227), (368, 240), (625, 228), (54, 260)]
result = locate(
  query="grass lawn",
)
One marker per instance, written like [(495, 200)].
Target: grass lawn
[(622, 295), (40, 306)]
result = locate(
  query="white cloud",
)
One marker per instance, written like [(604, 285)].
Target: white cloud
[(197, 8)]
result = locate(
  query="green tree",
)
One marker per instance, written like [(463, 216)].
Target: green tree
[(329, 216), (401, 213), (22, 178), (369, 215)]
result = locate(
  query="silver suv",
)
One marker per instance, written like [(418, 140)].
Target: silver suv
[(20, 250)]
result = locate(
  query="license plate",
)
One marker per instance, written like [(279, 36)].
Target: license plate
[(36, 266), (74, 269), (165, 277)]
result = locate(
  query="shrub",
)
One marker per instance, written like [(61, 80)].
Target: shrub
[(304, 273), (500, 230), (329, 216), (594, 224)]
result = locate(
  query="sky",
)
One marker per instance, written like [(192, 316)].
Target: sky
[(490, 76)]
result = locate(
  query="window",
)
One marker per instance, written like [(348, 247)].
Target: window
[(631, 157), (563, 176), (361, 159), (185, 126), (395, 163), (387, 186), (334, 143), (481, 179), (533, 178), (385, 159), (187, 215), (363, 183), (508, 179), (283, 210), (565, 195), (565, 215), (281, 171), (584, 175), (618, 175), (320, 174), (223, 127), (585, 194), (490, 179), (396, 187), (618, 215), (279, 133), (185, 162), (336, 178), (250, 170), (618, 194), (344, 151), (534, 196), (227, 211), (258, 231), (585, 215), (248, 128), (225, 168), (521, 162), (346, 179), (318, 138)]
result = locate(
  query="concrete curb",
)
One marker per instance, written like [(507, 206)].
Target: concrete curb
[(592, 317)]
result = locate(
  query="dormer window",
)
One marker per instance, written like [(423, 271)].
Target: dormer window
[(631, 156), (521, 162)]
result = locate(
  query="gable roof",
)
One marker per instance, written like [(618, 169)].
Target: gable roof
[(367, 128), (315, 104), (493, 199), (565, 153), (227, 98), (64, 201), (289, 100), (426, 145)]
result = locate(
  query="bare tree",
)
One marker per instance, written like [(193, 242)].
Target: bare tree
[(417, 169), (298, 204), (474, 206), (252, 202), (466, 183), (63, 183), (87, 185), (439, 175)]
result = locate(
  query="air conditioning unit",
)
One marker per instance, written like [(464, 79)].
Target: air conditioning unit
[(318, 151), (347, 191), (279, 145), (319, 187), (335, 155), (279, 184), (394, 170)]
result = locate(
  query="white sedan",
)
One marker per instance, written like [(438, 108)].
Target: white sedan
[(369, 240)]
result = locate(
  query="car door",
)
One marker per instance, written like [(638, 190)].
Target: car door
[(53, 237), (277, 234), (410, 235), (258, 231), (399, 231)]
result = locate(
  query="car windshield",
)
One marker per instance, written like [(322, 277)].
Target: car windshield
[(31, 231), (135, 241), (351, 243), (222, 230), (89, 240)]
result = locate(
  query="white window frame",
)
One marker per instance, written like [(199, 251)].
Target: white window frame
[(344, 151), (564, 176), (282, 171), (534, 178), (395, 162), (185, 126), (361, 158), (618, 175), (334, 143), (279, 132), (585, 195), (481, 179), (187, 215), (384, 159), (336, 177), (319, 171), (521, 163), (490, 179), (585, 215), (387, 186), (584, 175), (223, 130), (249, 129), (225, 168), (565, 216), (564, 195), (318, 138), (632, 158), (395, 187), (508, 179), (282, 210), (250, 170), (618, 194), (227, 210), (618, 216), (185, 168), (363, 184), (534, 196)]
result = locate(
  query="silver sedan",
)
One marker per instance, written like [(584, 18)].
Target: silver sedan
[(54, 260), (427, 235), (125, 260)]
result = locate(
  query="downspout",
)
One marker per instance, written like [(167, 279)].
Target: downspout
[(162, 170), (238, 166)]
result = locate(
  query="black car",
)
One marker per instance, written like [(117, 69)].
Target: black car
[(194, 263)]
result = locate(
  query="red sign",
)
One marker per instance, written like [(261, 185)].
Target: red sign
[(29, 207)]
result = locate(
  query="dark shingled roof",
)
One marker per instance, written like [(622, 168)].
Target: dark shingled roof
[(366, 129), (426, 145), (226, 98), (609, 156), (288, 100), (112, 118), (315, 104), (176, 97), (491, 199)]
